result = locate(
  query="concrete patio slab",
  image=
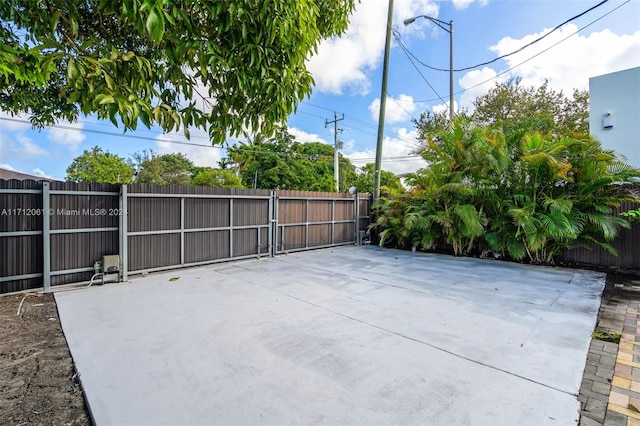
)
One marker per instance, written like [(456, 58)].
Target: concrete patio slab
[(350, 335)]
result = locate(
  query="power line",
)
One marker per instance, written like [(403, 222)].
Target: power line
[(545, 50), (406, 52), (405, 159), (146, 138), (400, 105), (120, 135), (362, 122), (515, 51), (526, 60), (358, 120)]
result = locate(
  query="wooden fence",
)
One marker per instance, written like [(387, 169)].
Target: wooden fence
[(52, 233)]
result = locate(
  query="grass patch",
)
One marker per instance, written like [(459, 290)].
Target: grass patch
[(606, 336)]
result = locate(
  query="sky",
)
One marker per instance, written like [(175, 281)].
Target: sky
[(348, 75)]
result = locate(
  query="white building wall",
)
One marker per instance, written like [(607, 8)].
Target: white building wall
[(617, 94)]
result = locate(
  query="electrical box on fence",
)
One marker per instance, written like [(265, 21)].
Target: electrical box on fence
[(110, 268)]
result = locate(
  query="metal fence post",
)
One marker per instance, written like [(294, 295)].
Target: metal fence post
[(333, 222), (273, 229), (356, 219), (124, 268), (46, 237), (270, 219), (231, 228), (306, 225), (182, 201)]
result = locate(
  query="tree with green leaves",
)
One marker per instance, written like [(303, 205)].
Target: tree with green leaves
[(223, 65), (96, 165), (515, 108), (166, 169), (388, 181), (431, 123), (511, 106), (283, 163), (220, 178)]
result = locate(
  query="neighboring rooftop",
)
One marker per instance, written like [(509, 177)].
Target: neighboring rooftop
[(10, 174)]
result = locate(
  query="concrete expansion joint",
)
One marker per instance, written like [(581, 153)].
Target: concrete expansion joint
[(422, 342)]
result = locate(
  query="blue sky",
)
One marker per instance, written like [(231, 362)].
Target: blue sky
[(348, 73)]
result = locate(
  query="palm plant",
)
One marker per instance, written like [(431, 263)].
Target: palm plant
[(526, 195), (390, 212)]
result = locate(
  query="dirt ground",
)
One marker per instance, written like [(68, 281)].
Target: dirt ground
[(38, 385)]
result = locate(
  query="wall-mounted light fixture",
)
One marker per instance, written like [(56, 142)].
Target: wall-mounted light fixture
[(607, 121)]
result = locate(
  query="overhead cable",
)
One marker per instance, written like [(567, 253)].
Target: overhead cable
[(526, 60), (510, 53)]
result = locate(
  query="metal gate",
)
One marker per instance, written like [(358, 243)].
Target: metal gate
[(304, 221)]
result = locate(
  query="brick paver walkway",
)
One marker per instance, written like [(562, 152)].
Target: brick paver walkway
[(610, 390)]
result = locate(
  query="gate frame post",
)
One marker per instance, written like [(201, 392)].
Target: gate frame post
[(124, 246), (46, 236)]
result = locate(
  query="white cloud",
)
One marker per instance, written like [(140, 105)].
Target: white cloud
[(410, 8), (39, 172), (469, 82), (570, 64), (302, 136), (28, 147), (445, 107), (396, 110), (7, 167), (20, 147), (463, 4), (566, 66), (199, 151), (342, 63), (397, 153), (70, 136)]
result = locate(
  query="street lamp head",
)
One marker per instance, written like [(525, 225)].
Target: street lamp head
[(409, 21)]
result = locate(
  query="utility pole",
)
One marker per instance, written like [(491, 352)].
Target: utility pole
[(383, 104), (451, 109), (336, 147)]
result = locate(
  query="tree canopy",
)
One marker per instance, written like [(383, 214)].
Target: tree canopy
[(166, 169), (388, 181), (223, 65), (222, 178), (96, 165), (283, 163), (513, 107)]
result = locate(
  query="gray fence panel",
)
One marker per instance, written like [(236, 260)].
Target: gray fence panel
[(84, 220), (49, 239), (207, 245), (364, 211), (308, 220), (20, 235), (627, 245), (205, 224), (158, 227)]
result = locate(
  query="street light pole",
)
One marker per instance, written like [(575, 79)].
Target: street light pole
[(440, 23)]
